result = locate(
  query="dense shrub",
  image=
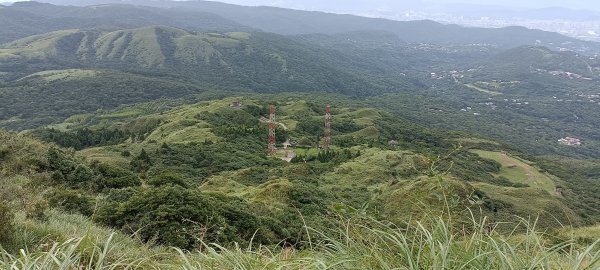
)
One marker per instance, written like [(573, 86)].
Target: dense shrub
[(256, 111), (84, 137), (6, 224), (66, 170), (72, 201), (115, 177), (170, 215), (176, 216), (308, 198), (141, 162), (230, 118), (168, 179)]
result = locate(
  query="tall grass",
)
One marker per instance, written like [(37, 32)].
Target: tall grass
[(356, 244), (72, 254)]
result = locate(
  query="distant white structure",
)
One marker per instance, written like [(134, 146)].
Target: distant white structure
[(571, 141), (236, 104)]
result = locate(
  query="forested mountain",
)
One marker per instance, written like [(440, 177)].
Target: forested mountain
[(215, 16), (23, 19), (227, 60)]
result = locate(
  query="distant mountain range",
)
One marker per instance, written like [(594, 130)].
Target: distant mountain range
[(28, 18), (384, 7)]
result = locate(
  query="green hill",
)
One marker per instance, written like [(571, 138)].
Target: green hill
[(24, 19), (59, 94), (226, 60), (536, 84), (220, 149)]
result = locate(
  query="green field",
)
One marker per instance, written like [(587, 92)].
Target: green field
[(306, 152), (483, 90), (475, 141), (519, 171)]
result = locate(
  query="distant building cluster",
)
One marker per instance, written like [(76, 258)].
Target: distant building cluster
[(570, 141), (561, 73)]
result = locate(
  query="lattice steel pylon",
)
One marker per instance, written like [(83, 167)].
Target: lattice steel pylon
[(272, 126), (327, 133)]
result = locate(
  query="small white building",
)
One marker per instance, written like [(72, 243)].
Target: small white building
[(571, 141)]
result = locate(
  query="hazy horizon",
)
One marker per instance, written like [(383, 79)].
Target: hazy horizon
[(376, 4), (581, 20), (354, 4)]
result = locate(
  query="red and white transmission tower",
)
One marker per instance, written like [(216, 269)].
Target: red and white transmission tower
[(327, 133), (272, 126)]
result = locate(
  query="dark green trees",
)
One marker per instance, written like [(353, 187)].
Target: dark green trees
[(142, 162)]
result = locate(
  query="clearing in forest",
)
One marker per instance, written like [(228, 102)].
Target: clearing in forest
[(472, 86), (519, 171)]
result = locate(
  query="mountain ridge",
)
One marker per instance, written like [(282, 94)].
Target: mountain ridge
[(204, 57), (293, 22)]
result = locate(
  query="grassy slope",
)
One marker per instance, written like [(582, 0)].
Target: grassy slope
[(520, 171)]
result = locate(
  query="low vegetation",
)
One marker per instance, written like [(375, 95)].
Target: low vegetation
[(356, 243)]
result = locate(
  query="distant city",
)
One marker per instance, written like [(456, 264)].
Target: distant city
[(575, 18), (582, 29)]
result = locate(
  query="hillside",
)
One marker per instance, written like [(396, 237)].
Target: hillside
[(527, 87), (228, 146), (24, 19), (59, 94), (160, 174), (527, 63), (225, 60), (294, 22)]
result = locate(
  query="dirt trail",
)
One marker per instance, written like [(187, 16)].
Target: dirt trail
[(530, 175), (289, 156), (263, 119)]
